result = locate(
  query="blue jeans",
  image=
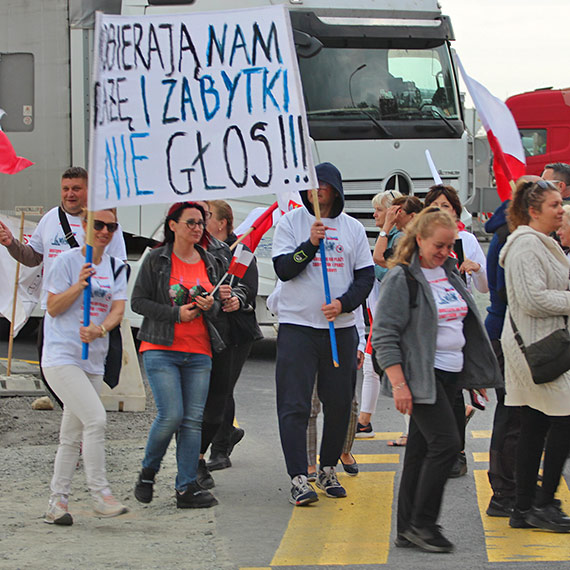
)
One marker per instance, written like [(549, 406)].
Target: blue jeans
[(179, 383)]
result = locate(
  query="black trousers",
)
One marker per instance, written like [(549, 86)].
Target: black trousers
[(433, 444), (304, 353), (221, 440), (538, 432), (40, 347), (226, 368), (504, 439)]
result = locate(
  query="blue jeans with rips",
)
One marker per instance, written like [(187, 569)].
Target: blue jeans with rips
[(179, 383)]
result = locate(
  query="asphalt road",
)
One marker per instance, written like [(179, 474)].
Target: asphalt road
[(260, 529)]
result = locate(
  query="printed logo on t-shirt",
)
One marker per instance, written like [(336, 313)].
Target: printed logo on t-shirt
[(334, 252), (450, 304)]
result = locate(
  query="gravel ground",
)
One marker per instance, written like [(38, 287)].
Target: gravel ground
[(149, 536)]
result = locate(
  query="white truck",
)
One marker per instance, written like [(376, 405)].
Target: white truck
[(379, 85)]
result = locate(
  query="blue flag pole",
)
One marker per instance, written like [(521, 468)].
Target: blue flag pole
[(332, 332), (87, 290)]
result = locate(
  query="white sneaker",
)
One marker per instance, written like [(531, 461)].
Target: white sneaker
[(107, 506), (57, 512)]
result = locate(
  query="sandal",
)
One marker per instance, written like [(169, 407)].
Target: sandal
[(469, 413), (400, 442)]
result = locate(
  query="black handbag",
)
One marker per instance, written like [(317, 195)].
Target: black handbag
[(549, 357)]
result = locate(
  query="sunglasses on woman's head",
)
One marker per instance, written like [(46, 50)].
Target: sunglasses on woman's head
[(111, 226)]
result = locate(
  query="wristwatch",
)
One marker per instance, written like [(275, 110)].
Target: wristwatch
[(382, 233)]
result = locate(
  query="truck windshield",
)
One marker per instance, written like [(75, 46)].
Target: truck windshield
[(384, 87)]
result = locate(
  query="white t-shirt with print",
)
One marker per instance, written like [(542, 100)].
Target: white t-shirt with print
[(451, 310), (347, 250), (61, 333), (49, 240)]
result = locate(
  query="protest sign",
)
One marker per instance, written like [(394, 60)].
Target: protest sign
[(195, 107)]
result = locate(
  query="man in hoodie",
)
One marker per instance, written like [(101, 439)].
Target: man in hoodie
[(303, 343), (506, 422)]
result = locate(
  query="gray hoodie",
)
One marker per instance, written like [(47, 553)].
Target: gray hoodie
[(407, 335)]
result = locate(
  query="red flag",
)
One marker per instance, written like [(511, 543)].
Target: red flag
[(502, 133), (240, 261), (260, 225), (9, 162)]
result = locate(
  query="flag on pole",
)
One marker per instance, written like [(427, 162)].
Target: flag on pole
[(502, 133), (240, 261), (9, 162)]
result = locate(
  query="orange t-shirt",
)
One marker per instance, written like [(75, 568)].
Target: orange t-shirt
[(192, 336)]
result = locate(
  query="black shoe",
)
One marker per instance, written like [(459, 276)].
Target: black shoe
[(429, 539), (235, 438), (518, 518), (351, 469), (144, 486), (459, 467), (500, 506), (218, 461), (550, 517), (203, 477), (402, 542), (195, 498)]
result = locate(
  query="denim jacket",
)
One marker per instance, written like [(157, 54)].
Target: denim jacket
[(150, 298)]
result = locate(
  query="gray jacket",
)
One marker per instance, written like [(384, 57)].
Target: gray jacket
[(407, 335), (151, 300)]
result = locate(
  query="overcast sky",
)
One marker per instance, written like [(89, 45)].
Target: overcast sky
[(512, 46)]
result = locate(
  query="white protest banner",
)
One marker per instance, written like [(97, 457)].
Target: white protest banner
[(194, 107)]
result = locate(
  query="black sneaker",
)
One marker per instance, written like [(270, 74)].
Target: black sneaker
[(302, 492), (429, 539), (550, 517), (203, 476), (363, 432), (500, 506), (518, 518), (459, 467), (144, 485), (218, 461), (402, 542), (235, 438), (195, 498), (328, 482)]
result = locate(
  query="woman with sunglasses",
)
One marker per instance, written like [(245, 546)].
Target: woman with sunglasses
[(178, 337), (77, 382), (536, 274)]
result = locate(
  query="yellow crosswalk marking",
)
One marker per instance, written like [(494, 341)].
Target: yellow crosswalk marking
[(381, 436), (370, 458), (506, 544), (480, 456), (481, 433), (330, 532)]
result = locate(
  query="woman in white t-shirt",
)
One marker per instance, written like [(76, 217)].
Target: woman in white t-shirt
[(430, 341), (474, 270), (77, 382)]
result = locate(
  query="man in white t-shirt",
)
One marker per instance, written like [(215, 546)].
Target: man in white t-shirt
[(303, 343), (49, 238)]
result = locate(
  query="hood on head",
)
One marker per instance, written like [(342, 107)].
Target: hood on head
[(329, 173)]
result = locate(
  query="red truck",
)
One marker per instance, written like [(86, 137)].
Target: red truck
[(543, 119)]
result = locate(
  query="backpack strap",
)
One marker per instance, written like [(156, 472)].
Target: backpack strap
[(69, 237), (413, 286)]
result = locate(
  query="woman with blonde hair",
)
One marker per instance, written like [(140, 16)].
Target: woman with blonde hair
[(430, 342)]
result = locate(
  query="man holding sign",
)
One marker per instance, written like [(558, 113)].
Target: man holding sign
[(303, 344)]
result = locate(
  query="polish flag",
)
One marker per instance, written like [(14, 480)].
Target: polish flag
[(260, 220), (509, 162), (240, 261), (9, 162)]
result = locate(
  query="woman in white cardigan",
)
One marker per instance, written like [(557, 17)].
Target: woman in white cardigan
[(536, 272)]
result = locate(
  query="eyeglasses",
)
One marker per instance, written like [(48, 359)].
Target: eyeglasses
[(111, 226), (193, 223)]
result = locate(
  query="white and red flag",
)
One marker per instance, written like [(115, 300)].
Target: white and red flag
[(502, 133), (240, 261), (9, 162), (260, 220)]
